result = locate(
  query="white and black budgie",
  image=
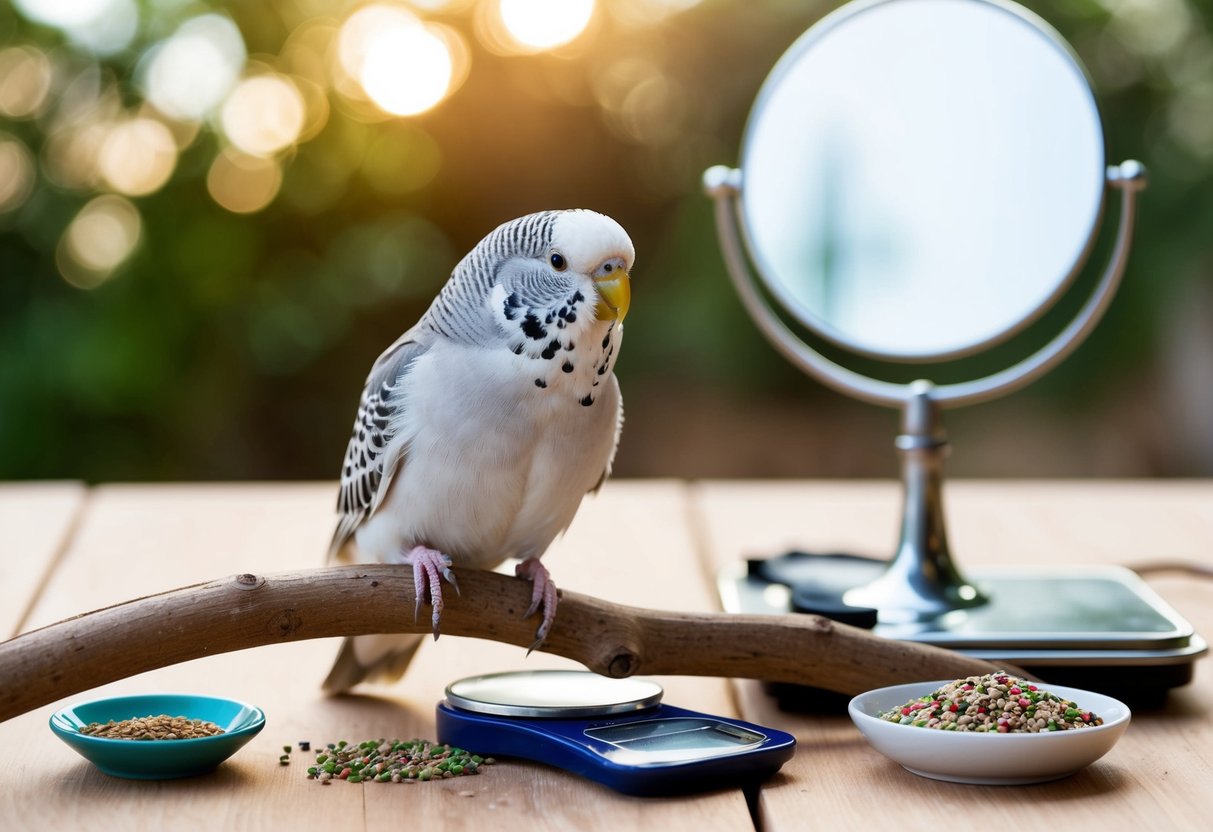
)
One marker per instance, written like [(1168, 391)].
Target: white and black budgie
[(481, 428)]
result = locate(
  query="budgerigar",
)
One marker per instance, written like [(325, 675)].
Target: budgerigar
[(482, 427)]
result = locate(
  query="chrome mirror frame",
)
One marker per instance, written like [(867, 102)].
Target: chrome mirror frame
[(922, 580)]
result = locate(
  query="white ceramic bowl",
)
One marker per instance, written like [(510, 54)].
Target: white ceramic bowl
[(988, 759)]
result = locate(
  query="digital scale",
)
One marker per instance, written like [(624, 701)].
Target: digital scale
[(614, 731)]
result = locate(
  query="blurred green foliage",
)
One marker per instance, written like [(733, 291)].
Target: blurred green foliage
[(234, 345)]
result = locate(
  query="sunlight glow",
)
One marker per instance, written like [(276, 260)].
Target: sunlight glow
[(101, 26), (403, 65), (25, 80), (407, 71), (70, 155), (138, 156), (241, 183), (16, 173), (438, 5), (100, 238), (188, 75), (545, 24), (263, 115), (647, 12), (641, 103)]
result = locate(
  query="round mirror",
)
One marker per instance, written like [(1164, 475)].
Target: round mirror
[(921, 178)]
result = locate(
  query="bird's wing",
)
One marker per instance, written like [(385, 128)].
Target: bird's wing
[(368, 469), (606, 470)]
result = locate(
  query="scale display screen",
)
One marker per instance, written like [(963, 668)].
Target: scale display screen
[(677, 734)]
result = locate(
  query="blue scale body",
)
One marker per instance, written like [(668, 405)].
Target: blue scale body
[(640, 761)]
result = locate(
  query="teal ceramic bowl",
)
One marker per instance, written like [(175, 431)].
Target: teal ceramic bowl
[(159, 759)]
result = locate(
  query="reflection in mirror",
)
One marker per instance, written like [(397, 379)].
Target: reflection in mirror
[(922, 177)]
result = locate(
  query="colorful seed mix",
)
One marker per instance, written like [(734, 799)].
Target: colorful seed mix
[(996, 702), (393, 761)]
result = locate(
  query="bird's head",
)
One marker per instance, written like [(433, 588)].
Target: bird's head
[(593, 250), (551, 276)]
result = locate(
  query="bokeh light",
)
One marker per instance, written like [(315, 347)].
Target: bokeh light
[(315, 108), (447, 6), (640, 102), (304, 53), (70, 155), (263, 115), (183, 132), (87, 96), (241, 183), (647, 12), (99, 239), (16, 173), (103, 27), (401, 64), (62, 14), (407, 71), (25, 79), (138, 156), (545, 24), (1151, 27), (190, 74)]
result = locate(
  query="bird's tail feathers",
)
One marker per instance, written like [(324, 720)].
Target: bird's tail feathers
[(370, 659), (342, 535)]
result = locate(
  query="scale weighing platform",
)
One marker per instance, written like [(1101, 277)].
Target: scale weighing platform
[(614, 731), (1094, 628)]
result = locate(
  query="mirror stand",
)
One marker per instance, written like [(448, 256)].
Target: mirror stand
[(921, 582), (921, 180)]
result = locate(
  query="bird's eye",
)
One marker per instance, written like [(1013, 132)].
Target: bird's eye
[(558, 261)]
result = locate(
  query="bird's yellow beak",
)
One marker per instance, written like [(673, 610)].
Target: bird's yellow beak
[(614, 295)]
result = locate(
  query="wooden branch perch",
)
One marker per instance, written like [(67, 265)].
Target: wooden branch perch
[(243, 611)]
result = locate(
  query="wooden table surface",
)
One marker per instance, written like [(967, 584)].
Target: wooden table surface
[(67, 549)]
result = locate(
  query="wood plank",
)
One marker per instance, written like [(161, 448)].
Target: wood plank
[(1157, 774), (629, 544), (36, 521)]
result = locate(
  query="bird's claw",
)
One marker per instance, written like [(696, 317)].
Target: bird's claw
[(430, 568), (543, 595), (450, 579)]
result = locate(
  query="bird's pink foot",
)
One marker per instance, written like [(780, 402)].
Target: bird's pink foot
[(430, 567), (543, 594)]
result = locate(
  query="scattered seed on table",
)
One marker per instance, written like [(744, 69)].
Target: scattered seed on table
[(994, 703), (161, 727), (393, 761)]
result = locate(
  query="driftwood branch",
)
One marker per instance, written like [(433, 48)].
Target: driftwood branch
[(244, 611)]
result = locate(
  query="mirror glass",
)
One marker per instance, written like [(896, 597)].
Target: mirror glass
[(922, 177)]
